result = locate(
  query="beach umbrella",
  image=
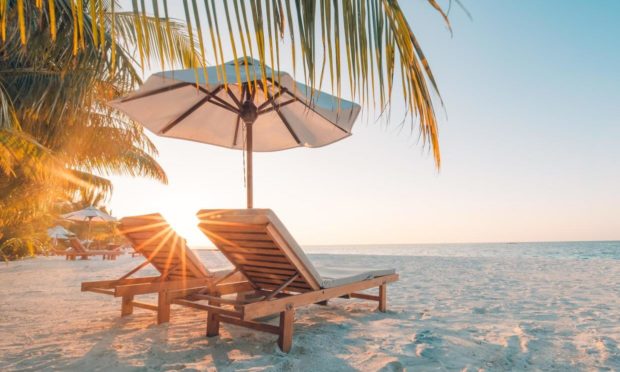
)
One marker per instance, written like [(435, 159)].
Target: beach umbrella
[(59, 232), (90, 215), (251, 108)]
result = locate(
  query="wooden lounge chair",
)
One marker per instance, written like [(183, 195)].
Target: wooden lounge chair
[(181, 272), (260, 247), (78, 250)]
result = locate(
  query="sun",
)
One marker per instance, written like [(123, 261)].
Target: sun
[(183, 220)]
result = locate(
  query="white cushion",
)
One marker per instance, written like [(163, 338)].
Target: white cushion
[(336, 276)]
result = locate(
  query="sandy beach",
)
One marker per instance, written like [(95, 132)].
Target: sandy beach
[(446, 313)]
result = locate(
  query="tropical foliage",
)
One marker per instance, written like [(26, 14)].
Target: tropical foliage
[(58, 139), (61, 60)]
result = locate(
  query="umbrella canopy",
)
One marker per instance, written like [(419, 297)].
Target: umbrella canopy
[(89, 214), (59, 232), (219, 109)]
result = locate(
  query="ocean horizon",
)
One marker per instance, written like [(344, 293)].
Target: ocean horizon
[(572, 249)]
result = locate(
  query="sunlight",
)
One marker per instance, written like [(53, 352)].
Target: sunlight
[(184, 222)]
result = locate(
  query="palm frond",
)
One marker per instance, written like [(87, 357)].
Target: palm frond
[(362, 43), (164, 41), (19, 149)]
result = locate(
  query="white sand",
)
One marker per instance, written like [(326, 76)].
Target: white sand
[(445, 314)]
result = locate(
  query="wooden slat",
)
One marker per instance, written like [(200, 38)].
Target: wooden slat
[(244, 250), (290, 254), (162, 260), (262, 327), (245, 236), (153, 237), (248, 244), (108, 284), (282, 286), (174, 264), (136, 289), (365, 296), (216, 299), (233, 287), (298, 282), (180, 276), (256, 257), (256, 269), (228, 276), (144, 305), (221, 289), (293, 288), (274, 265), (263, 308), (102, 291), (162, 266), (216, 309), (268, 275)]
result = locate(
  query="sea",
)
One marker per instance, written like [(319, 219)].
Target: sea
[(576, 250)]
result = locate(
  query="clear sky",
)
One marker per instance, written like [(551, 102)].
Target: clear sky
[(530, 143)]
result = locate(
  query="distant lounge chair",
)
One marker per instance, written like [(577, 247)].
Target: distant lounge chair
[(283, 278), (181, 272), (78, 250)]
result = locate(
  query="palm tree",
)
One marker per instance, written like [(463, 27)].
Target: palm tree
[(61, 60), (58, 139), (368, 44)]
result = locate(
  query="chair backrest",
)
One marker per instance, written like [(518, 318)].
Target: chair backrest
[(154, 238), (77, 245), (257, 244)]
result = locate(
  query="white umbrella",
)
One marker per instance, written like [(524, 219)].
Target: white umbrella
[(89, 214), (281, 114), (59, 232)]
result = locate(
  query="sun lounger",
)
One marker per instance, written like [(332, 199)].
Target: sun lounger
[(180, 271), (282, 276), (78, 250)]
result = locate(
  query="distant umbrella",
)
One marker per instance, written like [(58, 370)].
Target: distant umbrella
[(223, 110), (90, 215), (59, 232)]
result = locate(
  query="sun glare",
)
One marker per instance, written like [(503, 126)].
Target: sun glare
[(185, 224)]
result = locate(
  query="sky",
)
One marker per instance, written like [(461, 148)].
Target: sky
[(529, 136)]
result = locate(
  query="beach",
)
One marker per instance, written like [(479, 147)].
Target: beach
[(464, 312)]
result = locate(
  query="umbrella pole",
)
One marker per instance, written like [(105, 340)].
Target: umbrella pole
[(248, 112), (250, 186), (90, 220)]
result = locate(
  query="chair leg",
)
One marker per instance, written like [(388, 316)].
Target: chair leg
[(383, 298), (285, 338), (163, 308), (127, 306), (213, 324)]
